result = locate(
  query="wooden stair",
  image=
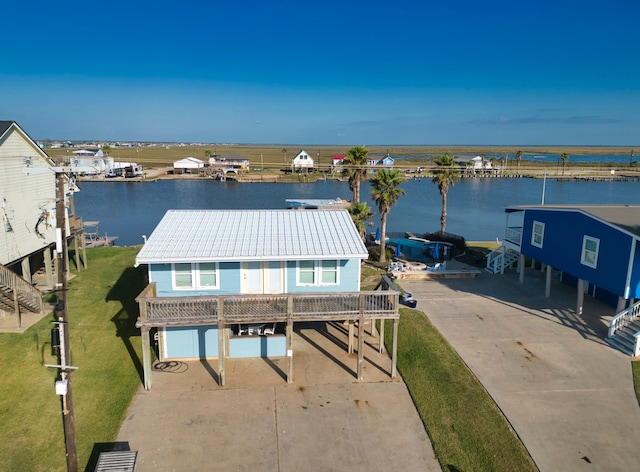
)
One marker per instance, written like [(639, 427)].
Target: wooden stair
[(14, 288)]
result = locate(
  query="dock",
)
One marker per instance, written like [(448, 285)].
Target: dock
[(449, 270), (93, 238)]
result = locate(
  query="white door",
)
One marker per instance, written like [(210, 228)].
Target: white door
[(263, 277)]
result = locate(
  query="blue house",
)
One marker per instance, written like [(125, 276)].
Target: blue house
[(230, 283), (594, 246)]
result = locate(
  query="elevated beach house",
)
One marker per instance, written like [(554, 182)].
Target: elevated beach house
[(595, 247), (231, 283), (302, 162), (28, 213)]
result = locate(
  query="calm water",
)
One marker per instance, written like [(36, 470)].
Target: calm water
[(475, 207)]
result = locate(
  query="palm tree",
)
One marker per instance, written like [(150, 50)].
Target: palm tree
[(385, 191), (355, 168), (360, 213), (446, 175), (564, 157), (518, 159), (284, 152)]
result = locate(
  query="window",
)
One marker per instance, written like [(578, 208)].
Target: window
[(306, 273), (590, 248), (329, 271), (195, 276), (208, 275), (318, 272), (537, 236), (183, 275)]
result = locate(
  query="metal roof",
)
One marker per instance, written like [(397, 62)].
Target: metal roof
[(249, 235), (623, 217)]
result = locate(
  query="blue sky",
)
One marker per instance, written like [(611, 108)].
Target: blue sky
[(332, 72)]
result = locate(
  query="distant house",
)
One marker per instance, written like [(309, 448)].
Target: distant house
[(386, 161), (188, 165), (224, 283), (93, 160), (336, 163), (229, 161), (302, 162)]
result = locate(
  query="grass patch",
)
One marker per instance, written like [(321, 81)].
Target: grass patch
[(466, 428), (104, 345), (635, 366)]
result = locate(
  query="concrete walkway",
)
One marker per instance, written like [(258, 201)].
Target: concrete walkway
[(568, 395), (324, 421)]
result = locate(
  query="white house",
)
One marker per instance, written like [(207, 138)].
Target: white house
[(188, 165), (302, 162), (28, 214)]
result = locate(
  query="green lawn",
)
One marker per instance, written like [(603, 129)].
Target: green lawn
[(104, 345), (466, 428)]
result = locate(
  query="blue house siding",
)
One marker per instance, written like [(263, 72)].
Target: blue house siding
[(228, 273), (191, 343), (634, 283), (349, 278), (258, 346), (562, 247)]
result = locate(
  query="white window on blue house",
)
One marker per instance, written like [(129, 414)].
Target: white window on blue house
[(537, 235), (590, 247), (195, 276), (318, 272)]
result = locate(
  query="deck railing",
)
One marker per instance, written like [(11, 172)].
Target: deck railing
[(513, 234), (28, 296), (231, 309), (624, 318)]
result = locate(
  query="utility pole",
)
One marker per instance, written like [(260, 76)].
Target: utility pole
[(63, 324), (63, 386)]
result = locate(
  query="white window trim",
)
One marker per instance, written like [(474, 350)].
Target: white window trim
[(195, 278), (317, 275), (533, 234), (583, 260)]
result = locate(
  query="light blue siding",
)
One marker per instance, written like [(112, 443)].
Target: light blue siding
[(258, 346), (228, 273), (191, 343), (349, 277)]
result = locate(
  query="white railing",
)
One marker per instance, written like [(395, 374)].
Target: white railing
[(28, 296), (500, 258), (513, 234), (494, 260), (622, 319)]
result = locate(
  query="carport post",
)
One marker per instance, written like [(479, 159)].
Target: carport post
[(521, 268), (221, 342), (394, 353), (146, 355), (381, 338), (580, 301), (547, 288), (360, 345), (351, 332), (289, 336)]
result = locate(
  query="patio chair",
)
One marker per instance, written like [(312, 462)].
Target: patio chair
[(270, 330)]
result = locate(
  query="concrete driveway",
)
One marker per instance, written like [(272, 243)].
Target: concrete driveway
[(324, 421), (568, 395)]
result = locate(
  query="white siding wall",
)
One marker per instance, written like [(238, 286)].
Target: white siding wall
[(23, 199)]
